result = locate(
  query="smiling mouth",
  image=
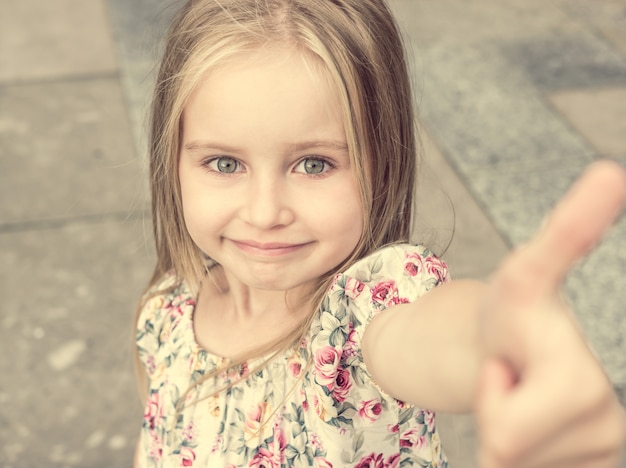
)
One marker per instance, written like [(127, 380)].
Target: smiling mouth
[(270, 249)]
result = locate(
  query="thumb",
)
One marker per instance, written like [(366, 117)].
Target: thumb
[(577, 223)]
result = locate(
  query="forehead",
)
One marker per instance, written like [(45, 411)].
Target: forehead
[(272, 90)]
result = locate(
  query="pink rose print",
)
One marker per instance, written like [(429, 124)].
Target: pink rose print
[(437, 268), (295, 368), (305, 402), (370, 409), (150, 365), (155, 452), (393, 461), (295, 365), (253, 418), (265, 459), (255, 413), (373, 460), (243, 370), (411, 268), (350, 348), (429, 420), (377, 460), (354, 288), (153, 411), (385, 292), (326, 363), (324, 408), (176, 309), (393, 428), (187, 456), (272, 456), (343, 384), (414, 263), (412, 438)]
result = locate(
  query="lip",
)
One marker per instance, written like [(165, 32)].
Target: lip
[(268, 249)]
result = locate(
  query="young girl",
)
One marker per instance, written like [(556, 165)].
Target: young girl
[(287, 321)]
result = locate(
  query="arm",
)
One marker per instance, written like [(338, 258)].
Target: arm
[(541, 398), (428, 352)]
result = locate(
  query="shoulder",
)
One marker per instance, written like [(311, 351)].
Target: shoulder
[(166, 294), (165, 304), (409, 257), (395, 274)]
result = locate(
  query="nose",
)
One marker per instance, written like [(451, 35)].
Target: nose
[(268, 205)]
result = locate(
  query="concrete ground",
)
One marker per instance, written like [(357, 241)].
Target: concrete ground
[(515, 97)]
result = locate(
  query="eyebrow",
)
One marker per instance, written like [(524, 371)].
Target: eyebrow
[(198, 146), (332, 144)]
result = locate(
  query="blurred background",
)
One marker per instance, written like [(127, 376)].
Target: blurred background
[(515, 99)]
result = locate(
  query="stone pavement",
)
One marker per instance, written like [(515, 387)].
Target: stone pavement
[(515, 97)]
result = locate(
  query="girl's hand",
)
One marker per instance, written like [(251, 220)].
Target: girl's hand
[(543, 399)]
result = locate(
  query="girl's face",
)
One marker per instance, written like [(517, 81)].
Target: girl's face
[(267, 186)]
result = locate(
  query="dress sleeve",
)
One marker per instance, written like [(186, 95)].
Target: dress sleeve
[(396, 274), (153, 322)]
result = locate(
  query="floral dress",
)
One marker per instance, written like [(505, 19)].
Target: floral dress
[(315, 405)]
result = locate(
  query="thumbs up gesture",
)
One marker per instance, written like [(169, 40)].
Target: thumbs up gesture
[(543, 399)]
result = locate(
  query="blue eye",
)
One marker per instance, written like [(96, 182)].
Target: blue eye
[(312, 166), (224, 164)]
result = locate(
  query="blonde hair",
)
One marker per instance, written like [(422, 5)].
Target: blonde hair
[(358, 44)]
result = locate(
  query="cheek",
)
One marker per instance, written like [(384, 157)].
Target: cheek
[(202, 215), (188, 201), (197, 215), (345, 216)]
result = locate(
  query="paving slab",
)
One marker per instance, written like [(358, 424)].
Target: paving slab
[(459, 439), (65, 332), (598, 114), (518, 197), (67, 151), (138, 28), (557, 60), (451, 222), (450, 22), (486, 113), (606, 17), (596, 292), (54, 39)]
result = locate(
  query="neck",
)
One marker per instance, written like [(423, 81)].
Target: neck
[(245, 302), (232, 319)]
